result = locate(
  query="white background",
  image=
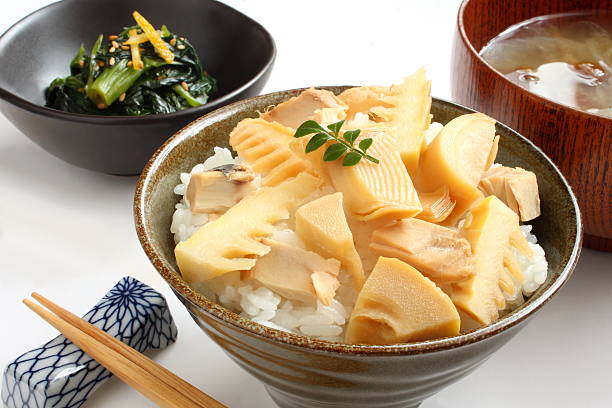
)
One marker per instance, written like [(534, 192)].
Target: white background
[(69, 234)]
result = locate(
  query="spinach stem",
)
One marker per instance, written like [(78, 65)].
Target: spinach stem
[(186, 95), (92, 60), (112, 82)]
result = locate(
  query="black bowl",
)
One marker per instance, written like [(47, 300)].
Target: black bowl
[(236, 50)]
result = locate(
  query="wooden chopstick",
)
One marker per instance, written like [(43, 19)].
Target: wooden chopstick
[(143, 374), (128, 352)]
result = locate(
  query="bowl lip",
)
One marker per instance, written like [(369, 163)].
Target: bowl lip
[(293, 341), (132, 120), (540, 99)]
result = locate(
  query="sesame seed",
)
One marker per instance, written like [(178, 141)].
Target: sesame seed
[(180, 47), (111, 49), (100, 63), (81, 63), (115, 44), (122, 97), (182, 38), (111, 61), (185, 86), (101, 106), (125, 47), (173, 42), (113, 37)]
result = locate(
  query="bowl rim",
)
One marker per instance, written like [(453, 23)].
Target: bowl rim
[(540, 99), (217, 312), (123, 120)]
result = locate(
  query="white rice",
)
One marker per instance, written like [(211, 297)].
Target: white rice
[(260, 304), (535, 271), (184, 222), (253, 301)]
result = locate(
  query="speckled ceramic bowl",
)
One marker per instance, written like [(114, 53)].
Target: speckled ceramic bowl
[(301, 372)]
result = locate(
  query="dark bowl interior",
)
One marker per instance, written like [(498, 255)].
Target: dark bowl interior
[(559, 229), (233, 48)]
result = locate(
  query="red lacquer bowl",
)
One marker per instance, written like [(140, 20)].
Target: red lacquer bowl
[(579, 143)]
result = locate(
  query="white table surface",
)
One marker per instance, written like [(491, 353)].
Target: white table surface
[(69, 234)]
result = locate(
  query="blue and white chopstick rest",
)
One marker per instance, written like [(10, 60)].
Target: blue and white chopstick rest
[(58, 374)]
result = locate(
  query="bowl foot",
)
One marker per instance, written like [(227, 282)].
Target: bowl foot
[(598, 243), (284, 400)]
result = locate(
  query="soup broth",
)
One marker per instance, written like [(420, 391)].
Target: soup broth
[(566, 58)]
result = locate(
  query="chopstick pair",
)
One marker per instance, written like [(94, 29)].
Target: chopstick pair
[(153, 381)]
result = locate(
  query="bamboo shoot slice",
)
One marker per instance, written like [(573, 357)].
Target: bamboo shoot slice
[(322, 225), (457, 158), (230, 243), (437, 206), (266, 147), (398, 304), (410, 103), (492, 229), (377, 191)]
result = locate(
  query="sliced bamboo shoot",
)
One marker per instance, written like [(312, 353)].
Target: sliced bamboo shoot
[(492, 229), (230, 243), (457, 158), (397, 304), (377, 191)]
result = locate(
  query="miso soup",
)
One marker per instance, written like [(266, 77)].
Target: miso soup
[(566, 58)]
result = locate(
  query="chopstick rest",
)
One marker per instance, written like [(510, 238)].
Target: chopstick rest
[(58, 374)]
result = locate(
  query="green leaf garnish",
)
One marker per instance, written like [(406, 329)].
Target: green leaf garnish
[(334, 151), (351, 135), (335, 127), (307, 128), (316, 141), (351, 159), (365, 144), (343, 144)]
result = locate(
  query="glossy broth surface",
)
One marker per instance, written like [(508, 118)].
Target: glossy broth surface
[(566, 58)]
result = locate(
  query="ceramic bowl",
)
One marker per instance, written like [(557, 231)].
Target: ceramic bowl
[(579, 143), (236, 50), (301, 372)]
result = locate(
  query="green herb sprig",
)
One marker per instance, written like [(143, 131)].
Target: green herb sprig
[(344, 144)]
